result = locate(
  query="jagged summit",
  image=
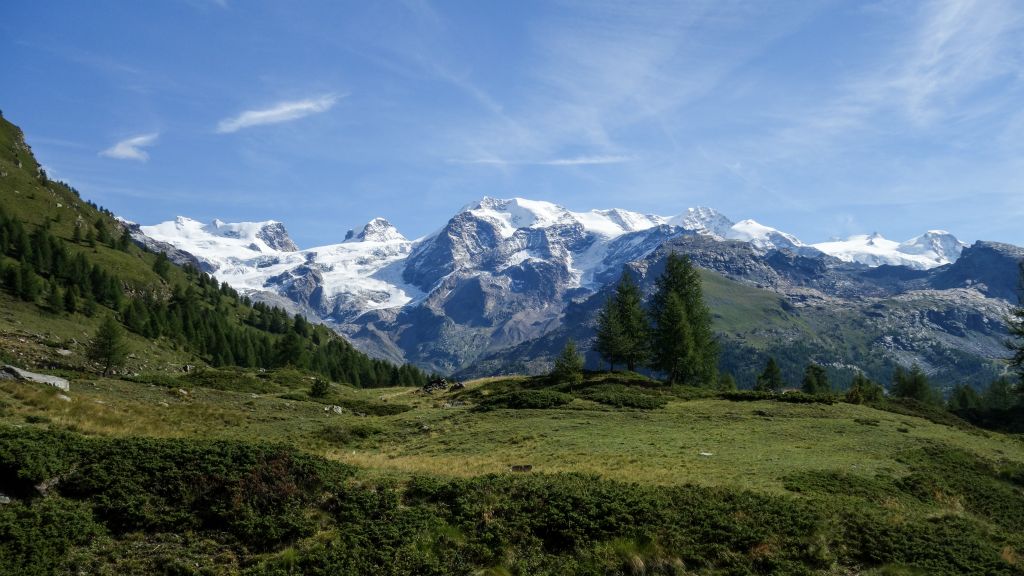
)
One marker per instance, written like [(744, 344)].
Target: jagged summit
[(929, 250), (239, 238), (376, 230), (704, 220)]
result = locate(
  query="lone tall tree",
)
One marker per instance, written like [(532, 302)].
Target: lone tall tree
[(771, 379), (815, 380), (622, 331), (568, 366), (913, 384), (108, 347), (609, 335), (684, 346), (1015, 324)]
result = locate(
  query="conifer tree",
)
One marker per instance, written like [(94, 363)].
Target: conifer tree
[(108, 347), (569, 366), (672, 343), (683, 343), (963, 398), (912, 384), (770, 380), (999, 395), (1015, 325), (609, 335), (815, 380), (55, 299), (161, 265), (633, 322), (863, 390)]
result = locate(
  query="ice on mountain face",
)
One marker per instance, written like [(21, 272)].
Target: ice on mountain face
[(376, 230), (703, 220), (763, 237), (516, 213), (248, 255), (934, 248), (936, 244)]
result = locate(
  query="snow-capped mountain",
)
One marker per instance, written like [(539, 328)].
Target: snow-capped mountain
[(501, 272), (350, 278), (932, 249)]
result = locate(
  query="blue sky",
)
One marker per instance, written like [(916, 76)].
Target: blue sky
[(822, 119)]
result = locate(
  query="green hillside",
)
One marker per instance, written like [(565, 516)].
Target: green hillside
[(65, 264), (285, 451)]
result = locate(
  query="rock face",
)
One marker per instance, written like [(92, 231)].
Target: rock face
[(505, 281), (990, 267), (10, 372)]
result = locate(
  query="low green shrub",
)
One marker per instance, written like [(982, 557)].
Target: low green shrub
[(791, 397), (526, 399), (623, 397), (236, 380)]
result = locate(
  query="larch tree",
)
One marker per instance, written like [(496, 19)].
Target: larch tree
[(108, 347), (684, 346)]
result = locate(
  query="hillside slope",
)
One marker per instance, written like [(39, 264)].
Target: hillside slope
[(66, 264)]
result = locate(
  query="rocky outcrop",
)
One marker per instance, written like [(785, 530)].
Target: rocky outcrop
[(989, 267), (275, 235), (13, 373)]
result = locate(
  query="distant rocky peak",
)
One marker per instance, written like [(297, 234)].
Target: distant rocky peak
[(704, 220), (276, 236), (376, 230), (941, 245)]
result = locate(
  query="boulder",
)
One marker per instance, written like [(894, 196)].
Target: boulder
[(9, 372)]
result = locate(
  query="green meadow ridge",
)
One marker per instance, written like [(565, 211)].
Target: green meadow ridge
[(76, 264), (282, 450)]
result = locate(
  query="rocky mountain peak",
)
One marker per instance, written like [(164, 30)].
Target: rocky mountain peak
[(376, 230), (276, 236), (704, 220)]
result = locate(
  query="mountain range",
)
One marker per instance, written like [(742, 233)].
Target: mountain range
[(505, 282)]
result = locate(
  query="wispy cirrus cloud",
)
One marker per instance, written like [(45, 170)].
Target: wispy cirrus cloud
[(570, 161), (132, 148), (280, 112)]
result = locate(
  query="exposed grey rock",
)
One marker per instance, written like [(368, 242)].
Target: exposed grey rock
[(275, 235), (10, 372)]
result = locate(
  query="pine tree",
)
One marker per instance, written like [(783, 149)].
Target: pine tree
[(161, 265), (771, 379), (568, 367), (76, 234), (1015, 325), (815, 380), (913, 384), (290, 351), (999, 395), (672, 342), (862, 390), (682, 340), (633, 321), (55, 299), (108, 347), (963, 398), (609, 335)]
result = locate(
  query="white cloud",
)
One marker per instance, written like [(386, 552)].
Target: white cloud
[(280, 112), (572, 161), (131, 148)]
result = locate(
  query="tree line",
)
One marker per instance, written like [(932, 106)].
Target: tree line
[(199, 315)]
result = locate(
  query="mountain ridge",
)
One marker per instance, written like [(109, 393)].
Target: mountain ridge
[(504, 272)]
